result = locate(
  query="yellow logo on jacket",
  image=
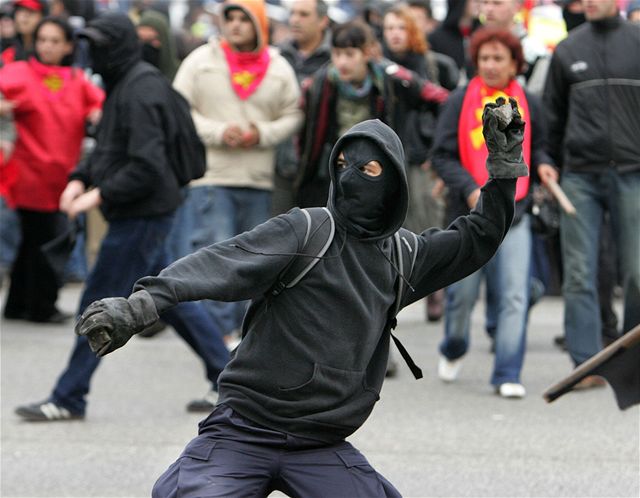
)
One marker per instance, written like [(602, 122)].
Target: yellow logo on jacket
[(53, 82), (243, 79)]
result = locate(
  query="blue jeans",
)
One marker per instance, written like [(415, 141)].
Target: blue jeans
[(214, 214), (113, 275), (592, 194), (507, 277)]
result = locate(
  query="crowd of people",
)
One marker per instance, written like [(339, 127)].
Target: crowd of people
[(309, 116)]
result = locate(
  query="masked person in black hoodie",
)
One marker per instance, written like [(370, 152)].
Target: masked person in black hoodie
[(311, 365), (137, 192)]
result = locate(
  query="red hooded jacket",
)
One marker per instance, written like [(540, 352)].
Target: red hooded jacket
[(51, 106)]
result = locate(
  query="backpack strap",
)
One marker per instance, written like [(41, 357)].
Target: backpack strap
[(405, 266), (319, 234)]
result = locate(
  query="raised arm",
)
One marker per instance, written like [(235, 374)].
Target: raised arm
[(446, 256)]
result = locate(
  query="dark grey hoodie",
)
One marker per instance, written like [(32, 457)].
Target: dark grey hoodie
[(313, 358)]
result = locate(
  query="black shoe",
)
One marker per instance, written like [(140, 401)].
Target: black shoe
[(9, 315), (46, 411), (560, 342), (205, 404), (57, 317)]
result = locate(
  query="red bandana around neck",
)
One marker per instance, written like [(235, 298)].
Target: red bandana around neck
[(247, 69), (473, 152)]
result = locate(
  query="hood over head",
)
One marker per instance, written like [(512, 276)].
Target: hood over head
[(113, 45), (370, 208), (257, 12), (167, 59)]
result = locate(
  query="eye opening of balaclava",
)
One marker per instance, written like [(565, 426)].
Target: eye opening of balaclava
[(364, 200)]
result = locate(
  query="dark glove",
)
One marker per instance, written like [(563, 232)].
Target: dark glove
[(109, 323), (504, 142)]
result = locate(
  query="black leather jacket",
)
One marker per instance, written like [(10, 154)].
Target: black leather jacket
[(592, 98)]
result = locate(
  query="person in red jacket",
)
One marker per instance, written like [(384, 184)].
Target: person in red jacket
[(51, 102)]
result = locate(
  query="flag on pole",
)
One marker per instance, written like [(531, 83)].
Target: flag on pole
[(618, 363)]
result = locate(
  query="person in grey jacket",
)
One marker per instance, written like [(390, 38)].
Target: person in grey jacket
[(311, 365)]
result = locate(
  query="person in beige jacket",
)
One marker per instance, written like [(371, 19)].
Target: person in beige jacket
[(245, 100)]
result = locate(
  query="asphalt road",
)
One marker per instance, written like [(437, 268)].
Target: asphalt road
[(428, 438)]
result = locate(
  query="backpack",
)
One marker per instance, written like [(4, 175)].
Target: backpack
[(319, 236), (186, 152)]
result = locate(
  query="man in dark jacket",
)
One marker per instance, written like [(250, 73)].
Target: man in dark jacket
[(592, 97), (137, 193), (311, 365), (307, 51)]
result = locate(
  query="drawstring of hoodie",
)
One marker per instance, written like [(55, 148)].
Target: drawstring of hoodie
[(393, 265)]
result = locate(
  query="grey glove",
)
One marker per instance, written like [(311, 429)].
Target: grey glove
[(504, 140), (109, 323)]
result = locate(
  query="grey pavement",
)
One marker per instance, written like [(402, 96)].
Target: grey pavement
[(428, 438)]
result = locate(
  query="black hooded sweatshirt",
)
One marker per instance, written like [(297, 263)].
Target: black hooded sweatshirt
[(313, 358), (130, 163)]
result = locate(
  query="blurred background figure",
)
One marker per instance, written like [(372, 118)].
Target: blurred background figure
[(51, 103), (7, 26), (452, 36), (422, 14), (591, 70), (443, 67), (633, 11), (158, 44), (405, 44), (307, 50), (459, 157), (26, 15), (502, 14)]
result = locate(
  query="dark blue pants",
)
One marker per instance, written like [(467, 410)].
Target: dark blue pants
[(233, 456), (132, 249)]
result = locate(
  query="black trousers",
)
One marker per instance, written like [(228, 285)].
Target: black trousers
[(34, 285), (235, 457)]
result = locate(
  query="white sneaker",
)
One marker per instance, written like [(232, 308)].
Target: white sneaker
[(448, 370), (512, 390)]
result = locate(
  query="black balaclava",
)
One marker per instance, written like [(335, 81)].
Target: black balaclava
[(150, 54), (113, 46), (362, 199), (572, 19)]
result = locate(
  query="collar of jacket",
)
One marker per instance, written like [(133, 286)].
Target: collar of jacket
[(608, 23)]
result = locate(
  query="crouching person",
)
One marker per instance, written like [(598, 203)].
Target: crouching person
[(310, 367)]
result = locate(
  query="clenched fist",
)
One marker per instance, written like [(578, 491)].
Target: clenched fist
[(109, 323), (503, 130)]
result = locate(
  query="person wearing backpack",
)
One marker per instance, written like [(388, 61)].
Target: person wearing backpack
[(312, 361), (137, 190)]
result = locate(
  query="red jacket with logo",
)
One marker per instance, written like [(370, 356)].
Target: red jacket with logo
[(51, 106)]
